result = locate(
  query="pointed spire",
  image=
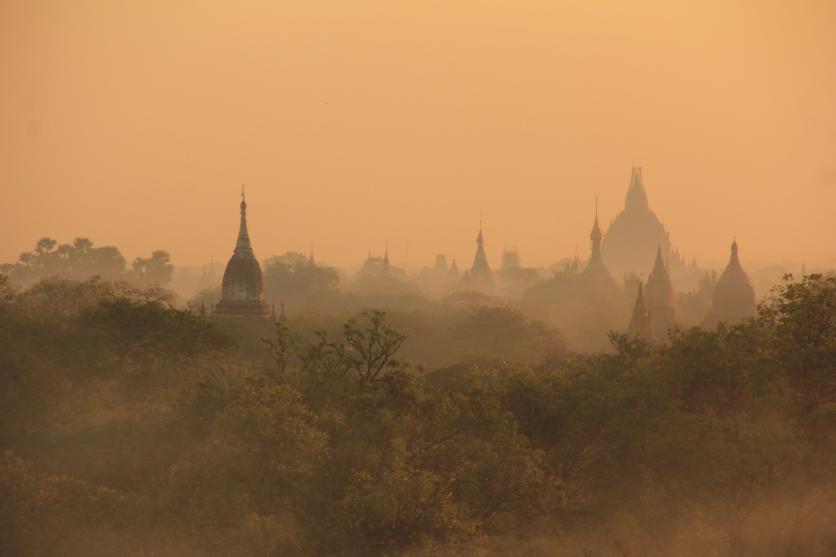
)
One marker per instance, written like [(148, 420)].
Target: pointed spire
[(480, 267), (386, 253), (596, 265), (479, 238), (242, 245), (596, 235), (733, 259), (659, 265), (641, 324), (636, 195), (311, 258), (659, 290)]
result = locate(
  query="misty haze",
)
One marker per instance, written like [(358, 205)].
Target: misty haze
[(468, 278)]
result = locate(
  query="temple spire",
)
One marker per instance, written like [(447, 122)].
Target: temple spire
[(636, 195), (596, 237), (480, 269), (242, 289), (311, 258), (242, 245), (479, 238), (641, 324), (659, 291)]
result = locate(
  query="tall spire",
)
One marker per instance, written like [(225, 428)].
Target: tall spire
[(480, 267), (386, 253), (595, 236), (243, 246), (596, 269), (636, 195), (311, 258), (479, 239), (733, 259), (242, 290), (659, 292), (641, 324)]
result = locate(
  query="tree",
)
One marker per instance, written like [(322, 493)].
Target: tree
[(79, 260), (367, 350), (295, 277), (154, 271)]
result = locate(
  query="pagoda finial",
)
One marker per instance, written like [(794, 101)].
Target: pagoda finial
[(479, 238), (311, 258), (243, 244), (386, 252)]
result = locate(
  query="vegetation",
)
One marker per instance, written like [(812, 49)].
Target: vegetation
[(130, 427), (81, 260)]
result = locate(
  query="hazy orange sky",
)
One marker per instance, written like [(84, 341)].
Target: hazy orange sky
[(356, 122)]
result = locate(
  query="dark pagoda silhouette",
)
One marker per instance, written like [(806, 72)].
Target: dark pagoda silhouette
[(479, 276), (658, 294), (734, 297), (636, 233), (242, 288)]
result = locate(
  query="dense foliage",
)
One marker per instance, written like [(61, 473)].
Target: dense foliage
[(129, 427)]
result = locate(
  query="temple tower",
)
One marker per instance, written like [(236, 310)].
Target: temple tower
[(479, 276), (596, 269), (242, 289), (659, 296), (635, 231), (734, 297), (640, 323)]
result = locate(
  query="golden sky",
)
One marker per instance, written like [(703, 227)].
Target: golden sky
[(357, 122)]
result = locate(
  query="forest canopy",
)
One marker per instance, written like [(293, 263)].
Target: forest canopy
[(131, 427)]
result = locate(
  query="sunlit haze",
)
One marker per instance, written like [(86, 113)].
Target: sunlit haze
[(357, 123)]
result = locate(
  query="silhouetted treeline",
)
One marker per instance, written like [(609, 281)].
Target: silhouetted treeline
[(129, 427), (82, 260)]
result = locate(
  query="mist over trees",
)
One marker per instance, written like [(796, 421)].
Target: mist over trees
[(131, 427), (81, 260)]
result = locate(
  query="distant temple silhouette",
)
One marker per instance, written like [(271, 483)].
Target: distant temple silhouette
[(641, 324), (636, 233), (596, 270), (242, 288), (734, 297), (479, 276), (659, 296)]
